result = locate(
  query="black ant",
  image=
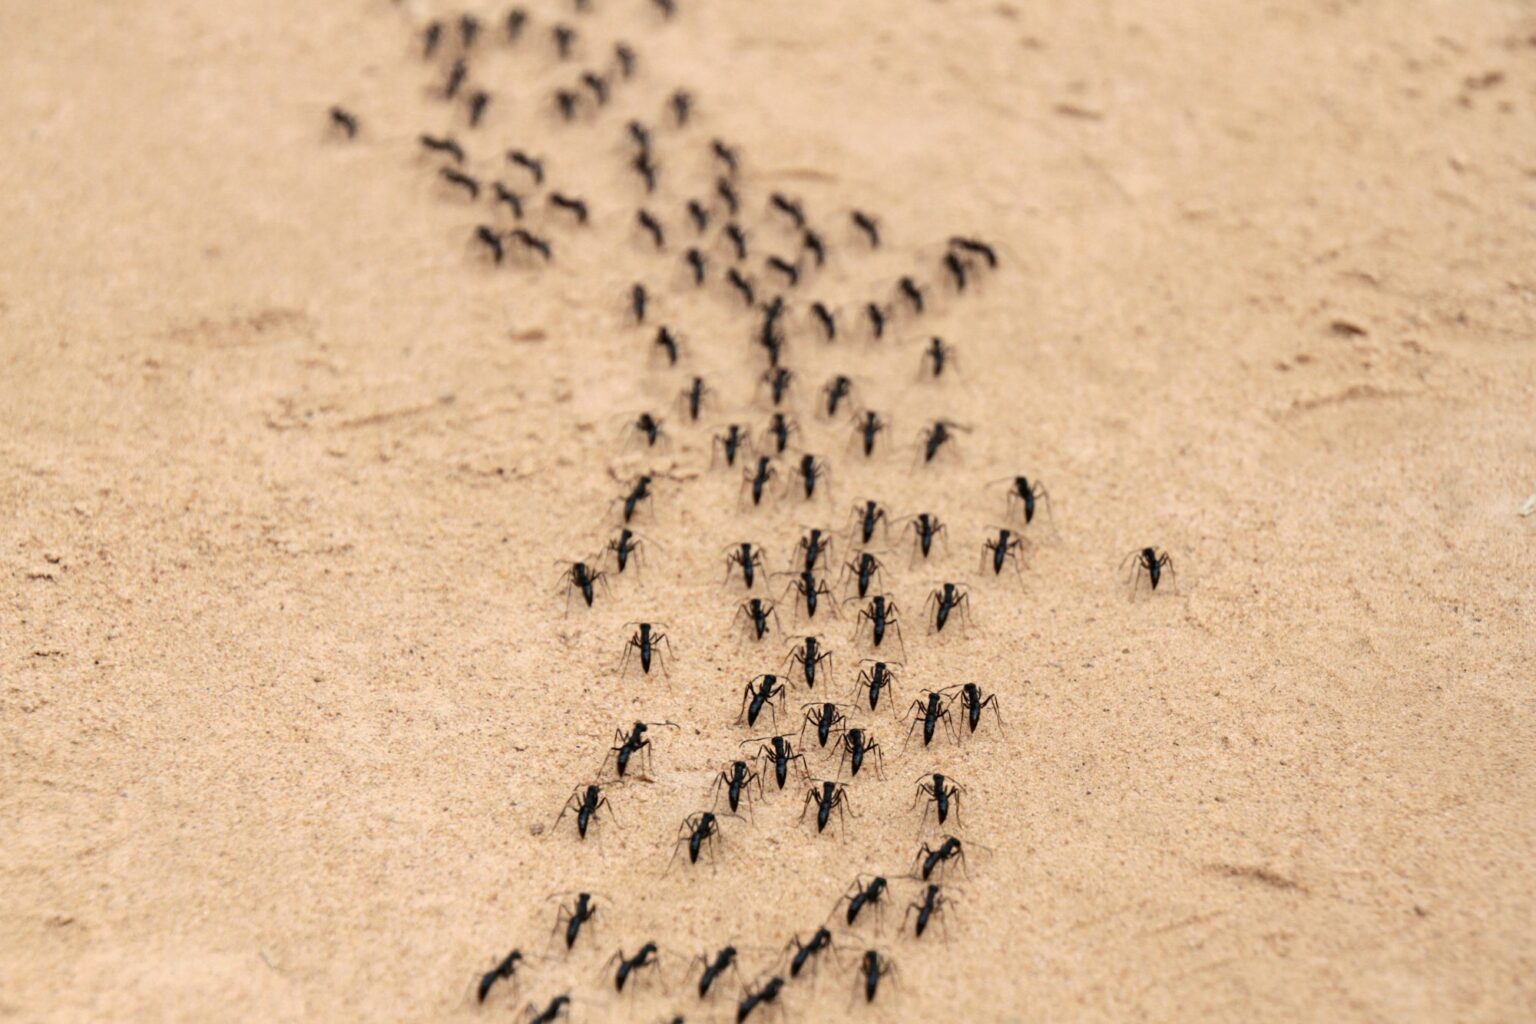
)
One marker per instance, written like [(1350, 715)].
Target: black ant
[(943, 792), (575, 916), (874, 680), (912, 293), (828, 797), (1007, 546), (858, 744), (779, 752), (749, 558), (626, 545), (863, 570), (867, 224), (681, 103), (599, 88), (1151, 564), (501, 971), (778, 380), (758, 478), (531, 164), (646, 168), (696, 264), (738, 780), (558, 1007), (725, 154), (929, 711), (820, 942), (738, 239), (727, 193), (648, 427), (630, 744), (513, 201), (652, 227), (564, 37), (639, 491), (443, 145), (936, 436), (478, 101), (790, 271), (814, 547), (430, 37), (491, 239), (925, 528), (742, 286), (937, 355), (469, 28), (586, 801), (571, 204), (645, 640), (769, 993), (813, 244), (950, 597), (873, 967), (345, 120), (979, 248), (531, 241), (667, 7), (625, 55), (780, 427), (582, 578), (928, 905), (836, 391), (640, 134), (956, 267), (933, 858), (809, 655), (868, 428), (973, 703), (755, 698), (731, 442), (881, 615), (714, 968), (631, 966), (860, 896), (869, 515), (790, 208), (810, 470), (826, 319), (461, 180), (876, 320), (456, 77), (667, 342), (1028, 494), (567, 100), (694, 396), (516, 19), (638, 300), (697, 830), (698, 215), (826, 717)]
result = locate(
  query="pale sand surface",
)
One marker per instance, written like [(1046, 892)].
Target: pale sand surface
[(288, 701)]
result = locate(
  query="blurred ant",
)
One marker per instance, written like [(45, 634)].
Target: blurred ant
[(625, 55), (882, 616), (815, 546), (581, 577), (911, 292), (469, 28), (937, 355), (488, 237), (749, 558), (630, 744), (975, 247), (456, 76), (648, 427), (758, 612), (857, 745), (758, 479), (866, 429), (698, 215), (738, 238), (598, 85), (516, 19), (928, 905), (869, 515), (873, 967), (564, 37), (790, 271), (780, 753), (862, 572), (753, 998), (430, 37), (638, 300), (478, 101), (737, 780), (859, 896), (652, 227), (742, 286), (826, 717), (502, 970), (809, 655), (1028, 494), (821, 941), (811, 590), (931, 709), (935, 436), (836, 391), (956, 267), (640, 135), (725, 154), (558, 1007), (755, 698), (698, 831), (666, 341), (667, 7), (876, 320), (790, 208), (867, 224), (586, 801), (727, 193), (575, 916), (826, 319), (443, 145), (731, 442), (778, 380), (575, 206), (345, 120), (681, 103), (696, 264), (533, 242), (933, 858), (1150, 564), (629, 967), (943, 792), (813, 244), (874, 681), (950, 597), (925, 528), (693, 397), (1005, 547), (973, 704), (513, 201), (639, 491), (567, 101), (828, 797), (625, 546), (811, 469), (645, 640), (715, 968), (461, 180)]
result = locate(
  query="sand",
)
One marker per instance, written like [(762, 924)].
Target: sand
[(291, 697)]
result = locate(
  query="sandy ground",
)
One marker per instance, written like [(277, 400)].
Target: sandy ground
[(288, 698)]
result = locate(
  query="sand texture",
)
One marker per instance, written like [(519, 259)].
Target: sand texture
[(290, 695)]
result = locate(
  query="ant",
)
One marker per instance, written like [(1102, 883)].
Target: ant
[(631, 966), (738, 780), (567, 100), (626, 545), (564, 36), (813, 244), (758, 478), (599, 88), (443, 145), (625, 55), (778, 380), (925, 527), (477, 104), (456, 76), (731, 442), (867, 224), (873, 967), (769, 993), (638, 298), (645, 640), (652, 227), (532, 165), (725, 154), (698, 215), (829, 797), (749, 558), (950, 597), (869, 515), (738, 239), (826, 319), (1150, 563), (943, 792), (534, 242), (860, 896), (1027, 494), (876, 680), (469, 28), (582, 577), (574, 916), (694, 396), (978, 248), (489, 238), (698, 829), (881, 615), (345, 120), (820, 942), (876, 320), (868, 428), (930, 710), (780, 753), (516, 19), (502, 971), (639, 491), (681, 102), (727, 193), (430, 37), (810, 470), (937, 355), (648, 427), (558, 1007), (956, 267), (863, 571), (911, 292), (715, 967), (667, 342), (640, 135), (742, 286), (462, 180), (755, 698), (570, 203), (1007, 546), (815, 546), (780, 427), (809, 655), (790, 271), (936, 436), (836, 391), (696, 264), (930, 903), (630, 744), (513, 201), (933, 858), (790, 208), (857, 744), (586, 801), (973, 704), (667, 7), (825, 717)]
